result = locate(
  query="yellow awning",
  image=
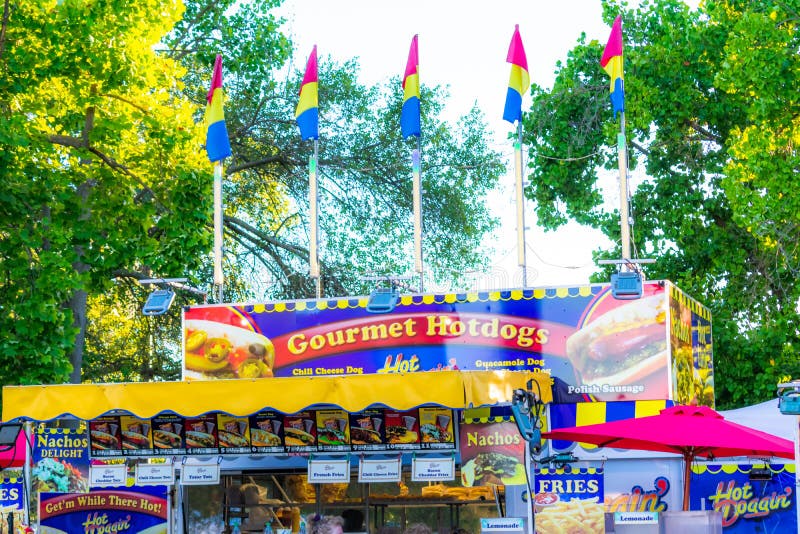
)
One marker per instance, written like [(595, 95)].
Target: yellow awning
[(353, 393)]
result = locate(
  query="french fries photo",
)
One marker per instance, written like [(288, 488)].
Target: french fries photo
[(574, 517)]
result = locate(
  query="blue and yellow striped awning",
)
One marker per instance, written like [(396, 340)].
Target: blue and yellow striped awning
[(488, 414), (730, 468), (592, 413), (569, 470)]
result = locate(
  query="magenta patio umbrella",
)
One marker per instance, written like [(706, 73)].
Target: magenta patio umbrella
[(691, 431)]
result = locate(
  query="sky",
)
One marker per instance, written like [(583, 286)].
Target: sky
[(463, 45)]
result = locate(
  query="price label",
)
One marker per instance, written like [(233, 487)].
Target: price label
[(328, 471), (379, 470), (155, 474), (433, 469), (108, 475), (199, 474)]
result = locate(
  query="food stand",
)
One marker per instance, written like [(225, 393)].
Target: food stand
[(276, 395)]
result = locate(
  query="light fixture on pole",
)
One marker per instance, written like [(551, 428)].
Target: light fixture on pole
[(384, 299), (159, 301), (627, 285)]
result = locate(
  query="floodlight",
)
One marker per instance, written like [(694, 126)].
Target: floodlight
[(158, 302), (382, 300), (626, 285), (9, 433), (760, 473), (789, 398)]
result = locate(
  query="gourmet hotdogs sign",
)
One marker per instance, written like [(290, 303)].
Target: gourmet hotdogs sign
[(596, 345)]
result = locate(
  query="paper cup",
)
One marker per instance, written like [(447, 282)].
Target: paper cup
[(409, 422), (443, 421), (308, 424)]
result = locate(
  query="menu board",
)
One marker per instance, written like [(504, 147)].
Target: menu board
[(402, 429), (266, 432), (367, 430), (168, 434), (105, 438), (233, 434), (333, 430), (436, 428), (272, 432), (137, 438), (201, 435), (300, 432)]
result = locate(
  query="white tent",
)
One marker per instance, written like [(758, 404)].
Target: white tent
[(765, 417)]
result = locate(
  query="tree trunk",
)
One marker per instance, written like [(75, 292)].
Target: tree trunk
[(77, 303), (78, 306)]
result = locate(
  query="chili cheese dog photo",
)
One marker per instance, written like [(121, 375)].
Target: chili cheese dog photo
[(624, 345)]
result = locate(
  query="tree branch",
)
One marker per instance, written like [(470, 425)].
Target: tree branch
[(260, 162), (6, 10), (708, 134), (235, 221)]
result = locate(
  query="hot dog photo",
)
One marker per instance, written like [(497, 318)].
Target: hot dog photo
[(617, 354)]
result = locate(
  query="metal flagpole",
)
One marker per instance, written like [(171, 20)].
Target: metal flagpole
[(219, 278), (623, 189), (417, 200), (521, 256), (313, 198)]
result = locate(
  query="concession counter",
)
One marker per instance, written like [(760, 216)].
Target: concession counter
[(320, 406), (264, 440)]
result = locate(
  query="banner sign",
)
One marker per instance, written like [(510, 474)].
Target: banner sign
[(491, 454), (11, 493), (747, 505), (595, 344), (639, 499), (60, 460), (691, 350), (432, 469), (130, 510), (389, 470), (431, 428), (567, 495), (328, 471)]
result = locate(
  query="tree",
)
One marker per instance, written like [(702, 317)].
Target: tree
[(365, 168), (712, 112), (103, 175), (364, 176)]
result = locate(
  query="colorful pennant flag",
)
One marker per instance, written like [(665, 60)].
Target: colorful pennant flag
[(307, 112), (410, 115), (612, 63), (218, 145), (519, 82)]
